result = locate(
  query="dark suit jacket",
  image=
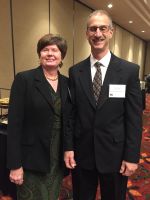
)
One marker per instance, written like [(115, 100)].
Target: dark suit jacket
[(30, 120), (111, 132)]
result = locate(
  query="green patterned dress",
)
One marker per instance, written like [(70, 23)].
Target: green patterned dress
[(39, 186)]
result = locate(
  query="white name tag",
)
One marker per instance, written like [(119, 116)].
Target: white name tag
[(117, 91)]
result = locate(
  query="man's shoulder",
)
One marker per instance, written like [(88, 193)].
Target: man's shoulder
[(81, 64), (125, 63)]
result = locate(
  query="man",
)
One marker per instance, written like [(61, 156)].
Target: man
[(108, 126)]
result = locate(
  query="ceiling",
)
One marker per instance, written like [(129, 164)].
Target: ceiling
[(124, 11)]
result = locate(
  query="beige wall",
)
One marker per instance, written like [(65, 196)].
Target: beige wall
[(30, 22), (147, 61), (81, 46), (34, 18), (117, 41), (6, 58), (129, 47), (61, 22)]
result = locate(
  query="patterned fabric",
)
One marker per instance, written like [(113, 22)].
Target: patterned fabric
[(41, 186), (97, 81)]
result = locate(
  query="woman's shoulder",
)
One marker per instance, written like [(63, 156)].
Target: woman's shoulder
[(27, 73)]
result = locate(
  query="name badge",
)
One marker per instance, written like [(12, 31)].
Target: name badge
[(117, 91)]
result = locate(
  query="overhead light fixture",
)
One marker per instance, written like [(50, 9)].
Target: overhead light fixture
[(130, 22), (143, 31), (110, 5)]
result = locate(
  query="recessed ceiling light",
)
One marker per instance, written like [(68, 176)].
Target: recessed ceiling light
[(143, 31), (130, 22), (110, 5)]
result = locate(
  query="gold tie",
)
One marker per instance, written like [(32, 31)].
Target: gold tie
[(97, 81)]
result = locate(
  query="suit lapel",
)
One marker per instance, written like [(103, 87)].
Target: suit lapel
[(42, 85), (86, 80), (112, 77)]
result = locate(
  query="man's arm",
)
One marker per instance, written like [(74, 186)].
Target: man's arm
[(68, 139), (133, 124)]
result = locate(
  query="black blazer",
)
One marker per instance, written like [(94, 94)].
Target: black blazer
[(111, 132), (30, 120)]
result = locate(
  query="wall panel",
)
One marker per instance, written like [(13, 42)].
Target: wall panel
[(6, 58), (61, 18), (30, 22), (147, 63), (112, 41), (125, 44), (118, 41), (81, 46), (130, 48), (136, 49), (141, 58)]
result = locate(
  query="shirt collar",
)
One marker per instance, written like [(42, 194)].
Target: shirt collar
[(104, 61)]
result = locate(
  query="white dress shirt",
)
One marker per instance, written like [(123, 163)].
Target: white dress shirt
[(104, 61)]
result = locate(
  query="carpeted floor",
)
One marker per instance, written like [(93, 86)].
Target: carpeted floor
[(139, 183)]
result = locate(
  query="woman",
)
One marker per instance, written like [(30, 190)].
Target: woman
[(39, 110)]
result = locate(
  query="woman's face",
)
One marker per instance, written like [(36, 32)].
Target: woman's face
[(50, 56)]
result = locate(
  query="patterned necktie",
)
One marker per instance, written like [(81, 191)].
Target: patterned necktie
[(97, 81)]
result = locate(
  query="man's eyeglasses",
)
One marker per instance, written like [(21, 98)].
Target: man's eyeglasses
[(102, 28)]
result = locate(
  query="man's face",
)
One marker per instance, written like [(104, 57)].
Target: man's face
[(99, 32)]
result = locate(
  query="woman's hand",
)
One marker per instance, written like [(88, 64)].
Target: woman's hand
[(16, 176)]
